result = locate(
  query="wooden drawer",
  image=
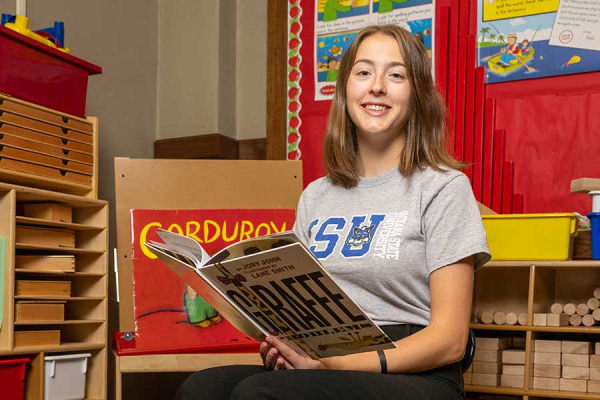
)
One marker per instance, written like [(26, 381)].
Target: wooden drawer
[(43, 288), (48, 161), (45, 237), (26, 311), (48, 172), (37, 338), (55, 141), (49, 211), (43, 127), (45, 263), (8, 104)]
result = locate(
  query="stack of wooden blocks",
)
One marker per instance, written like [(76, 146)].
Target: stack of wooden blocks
[(587, 314), (566, 365), (498, 362)]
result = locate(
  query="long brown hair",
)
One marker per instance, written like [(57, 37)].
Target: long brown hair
[(426, 132)]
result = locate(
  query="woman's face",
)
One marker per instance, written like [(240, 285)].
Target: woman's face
[(378, 91)]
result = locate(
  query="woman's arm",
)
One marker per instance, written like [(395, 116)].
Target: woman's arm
[(442, 342)]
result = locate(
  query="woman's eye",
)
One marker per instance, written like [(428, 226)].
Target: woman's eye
[(362, 73), (397, 76)]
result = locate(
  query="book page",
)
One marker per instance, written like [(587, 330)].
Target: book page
[(183, 242)]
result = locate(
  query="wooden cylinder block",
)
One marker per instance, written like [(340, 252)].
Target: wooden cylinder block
[(593, 303), (583, 309), (499, 318), (522, 319), (588, 320), (575, 320), (485, 317), (569, 309), (556, 308), (511, 318)]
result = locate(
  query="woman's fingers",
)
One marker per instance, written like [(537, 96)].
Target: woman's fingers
[(271, 358)]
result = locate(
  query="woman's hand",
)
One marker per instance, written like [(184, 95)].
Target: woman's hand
[(270, 356), (292, 358)]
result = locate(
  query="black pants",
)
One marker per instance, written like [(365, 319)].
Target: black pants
[(253, 382)]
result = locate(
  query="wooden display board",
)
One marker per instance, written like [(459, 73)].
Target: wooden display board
[(194, 184)]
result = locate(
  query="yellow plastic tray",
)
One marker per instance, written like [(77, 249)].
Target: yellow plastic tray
[(530, 236)]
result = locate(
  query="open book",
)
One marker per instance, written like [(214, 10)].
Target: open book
[(274, 285)]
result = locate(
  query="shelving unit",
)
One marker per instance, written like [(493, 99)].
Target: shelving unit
[(532, 287), (85, 325)]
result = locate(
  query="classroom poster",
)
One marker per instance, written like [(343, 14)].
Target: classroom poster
[(525, 39), (169, 316), (338, 21)]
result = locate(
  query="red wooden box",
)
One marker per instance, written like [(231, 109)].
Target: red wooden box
[(37, 73), (12, 378)]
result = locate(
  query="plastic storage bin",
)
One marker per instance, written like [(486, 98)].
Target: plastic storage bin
[(12, 378), (595, 220), (530, 236), (64, 376)]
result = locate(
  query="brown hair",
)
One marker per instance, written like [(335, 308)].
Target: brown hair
[(426, 133)]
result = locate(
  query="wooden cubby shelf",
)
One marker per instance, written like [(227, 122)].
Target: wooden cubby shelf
[(532, 287), (74, 276)]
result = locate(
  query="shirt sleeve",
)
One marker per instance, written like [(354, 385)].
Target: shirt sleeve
[(453, 228), (301, 228)]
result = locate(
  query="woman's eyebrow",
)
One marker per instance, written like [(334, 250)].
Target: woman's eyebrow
[(388, 65)]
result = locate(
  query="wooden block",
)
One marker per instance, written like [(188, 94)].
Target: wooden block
[(597, 348), (595, 361), (593, 303), (584, 185), (511, 318), (595, 374), (582, 246), (508, 369), (593, 387), (570, 309), (513, 381), (556, 308), (492, 343), (39, 311), (547, 346), (518, 343), (558, 319), (486, 379), (546, 383), (37, 338), (582, 309), (547, 358), (597, 293), (540, 319), (499, 318), (596, 314), (576, 372), (513, 357), (45, 237), (575, 360), (547, 371), (468, 379), (49, 211), (571, 347), (43, 288), (522, 319), (45, 263), (576, 320), (588, 320), (573, 385), (482, 367), (488, 355)]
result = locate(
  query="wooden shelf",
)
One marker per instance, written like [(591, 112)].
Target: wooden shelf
[(84, 298), (517, 328), (56, 224), (83, 346), (64, 250), (66, 322), (532, 392), (58, 273)]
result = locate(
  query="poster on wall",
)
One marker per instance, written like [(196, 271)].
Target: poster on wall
[(169, 316), (520, 39), (338, 21)]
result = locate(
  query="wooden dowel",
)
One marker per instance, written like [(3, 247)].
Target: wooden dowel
[(522, 319), (485, 317), (593, 303), (583, 309), (511, 318), (597, 293), (588, 320), (596, 314), (499, 318), (569, 309), (575, 320), (556, 308)]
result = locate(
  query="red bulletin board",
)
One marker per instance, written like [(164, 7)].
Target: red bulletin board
[(525, 140)]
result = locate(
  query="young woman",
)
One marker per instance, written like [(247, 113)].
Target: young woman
[(390, 176)]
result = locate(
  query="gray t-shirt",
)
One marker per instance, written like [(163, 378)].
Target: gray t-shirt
[(382, 239)]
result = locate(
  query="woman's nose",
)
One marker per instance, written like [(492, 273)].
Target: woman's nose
[(378, 86)]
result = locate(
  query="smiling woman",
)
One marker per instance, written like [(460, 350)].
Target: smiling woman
[(398, 228)]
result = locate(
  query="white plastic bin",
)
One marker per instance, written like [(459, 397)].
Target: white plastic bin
[(64, 376)]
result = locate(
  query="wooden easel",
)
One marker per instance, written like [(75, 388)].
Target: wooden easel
[(190, 184)]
